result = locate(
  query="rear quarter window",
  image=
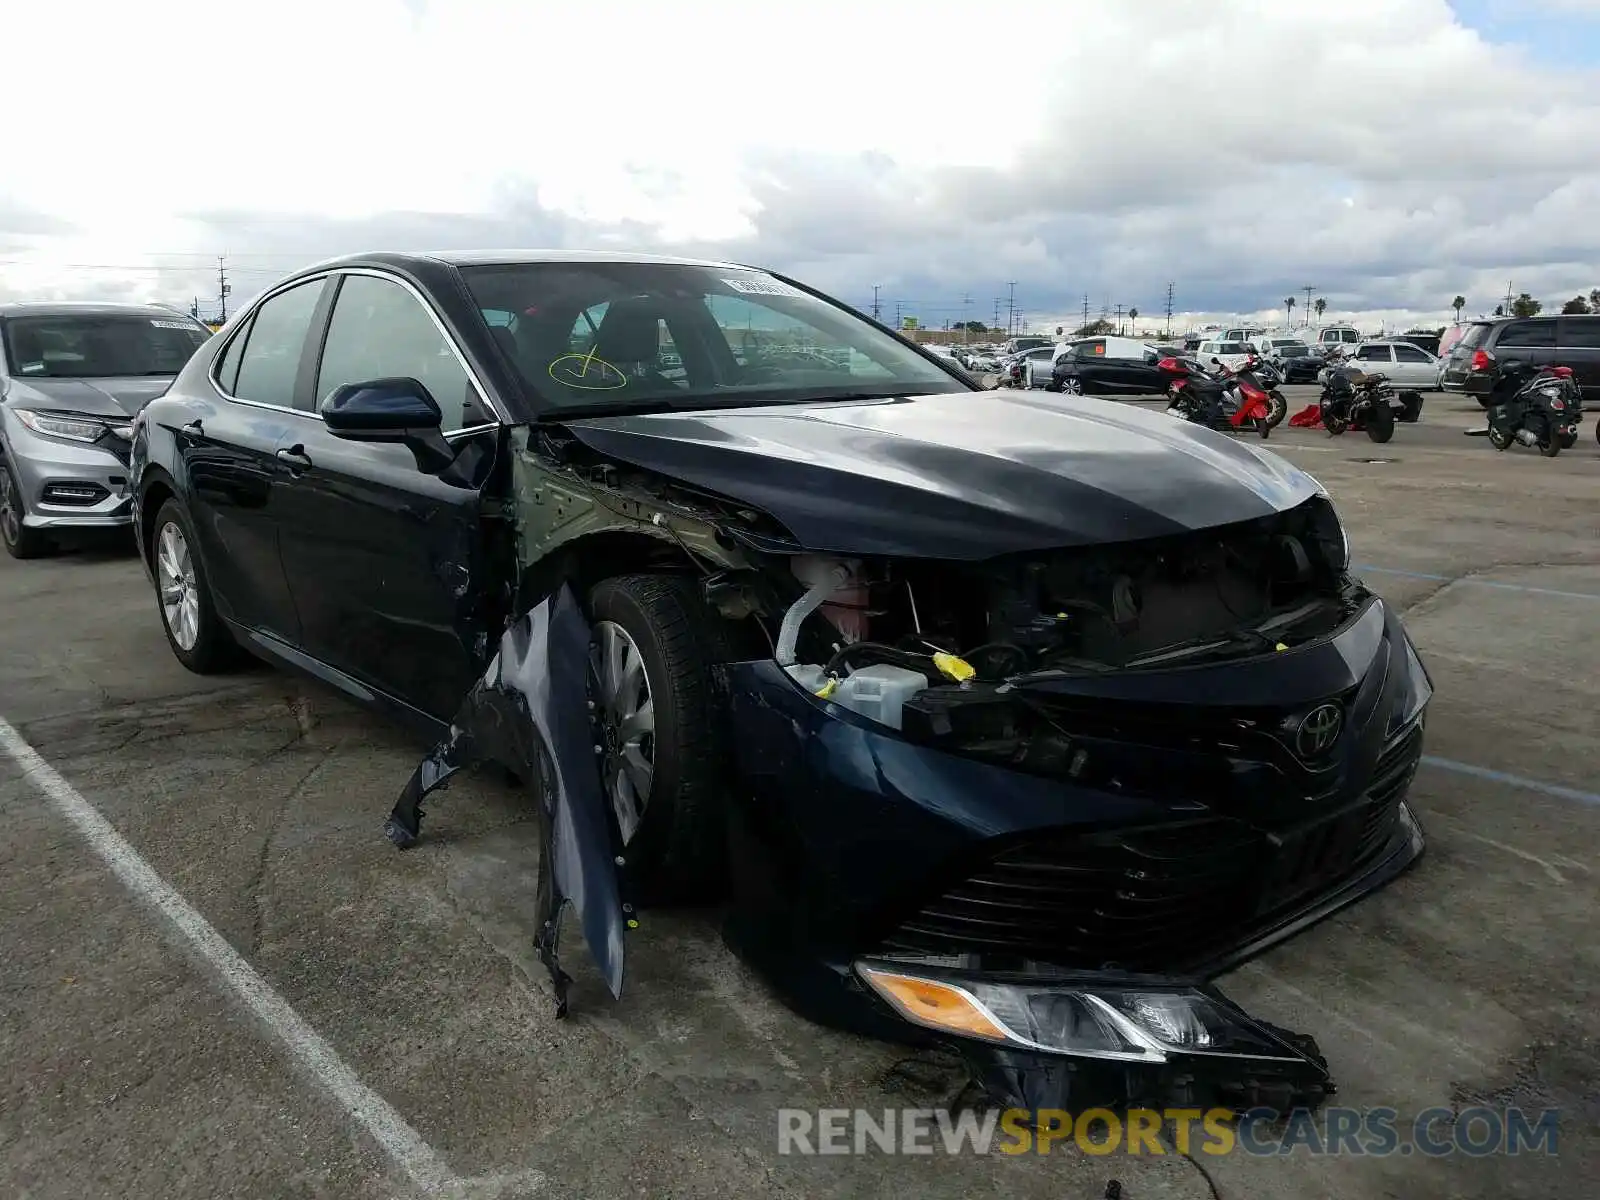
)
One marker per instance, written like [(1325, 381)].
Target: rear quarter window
[(1473, 337)]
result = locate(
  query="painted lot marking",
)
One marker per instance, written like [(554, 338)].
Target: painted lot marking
[(1560, 791), (313, 1055), (1488, 583)]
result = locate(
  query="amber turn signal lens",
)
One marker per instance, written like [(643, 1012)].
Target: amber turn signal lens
[(934, 1005)]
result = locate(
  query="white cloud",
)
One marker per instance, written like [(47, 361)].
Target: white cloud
[(1238, 149)]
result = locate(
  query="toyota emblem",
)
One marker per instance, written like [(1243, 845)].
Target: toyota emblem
[(1318, 731)]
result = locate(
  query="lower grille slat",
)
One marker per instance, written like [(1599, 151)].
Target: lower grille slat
[(1155, 897)]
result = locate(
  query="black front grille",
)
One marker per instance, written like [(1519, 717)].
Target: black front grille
[(1154, 897)]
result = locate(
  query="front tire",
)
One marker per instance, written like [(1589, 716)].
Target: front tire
[(663, 732), (20, 541), (1499, 438), (1411, 413), (1072, 385), (199, 639)]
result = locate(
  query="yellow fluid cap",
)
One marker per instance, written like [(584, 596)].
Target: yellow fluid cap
[(954, 667)]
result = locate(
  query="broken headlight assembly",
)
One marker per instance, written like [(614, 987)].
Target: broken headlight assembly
[(1130, 1023)]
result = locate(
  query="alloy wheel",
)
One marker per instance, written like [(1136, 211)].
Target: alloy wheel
[(10, 507), (1072, 385), (626, 722), (180, 597)]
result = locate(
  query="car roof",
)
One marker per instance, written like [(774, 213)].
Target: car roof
[(91, 308), (498, 258)]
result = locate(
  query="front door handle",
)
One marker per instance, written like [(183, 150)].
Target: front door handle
[(192, 429), (295, 457)]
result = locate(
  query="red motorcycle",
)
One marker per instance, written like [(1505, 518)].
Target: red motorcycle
[(1226, 400)]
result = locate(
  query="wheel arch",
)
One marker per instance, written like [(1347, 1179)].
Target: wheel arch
[(155, 489)]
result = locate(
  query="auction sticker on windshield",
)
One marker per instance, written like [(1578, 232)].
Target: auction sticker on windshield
[(762, 287)]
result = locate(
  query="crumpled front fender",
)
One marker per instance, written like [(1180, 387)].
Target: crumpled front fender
[(530, 714)]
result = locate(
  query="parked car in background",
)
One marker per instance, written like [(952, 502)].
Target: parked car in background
[(1449, 338), (1106, 365), (1330, 336), (1298, 362), (1426, 339), (1406, 365), (1018, 345), (1543, 341), (1232, 354), (1031, 368), (1268, 346), (72, 378)]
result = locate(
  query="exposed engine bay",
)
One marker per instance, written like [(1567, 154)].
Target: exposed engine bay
[(923, 646)]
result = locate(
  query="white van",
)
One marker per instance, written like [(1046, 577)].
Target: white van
[(1336, 335)]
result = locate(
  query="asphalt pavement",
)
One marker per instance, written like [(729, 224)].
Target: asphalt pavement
[(370, 1023)]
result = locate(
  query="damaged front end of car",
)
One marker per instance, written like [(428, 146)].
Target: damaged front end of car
[(1030, 804)]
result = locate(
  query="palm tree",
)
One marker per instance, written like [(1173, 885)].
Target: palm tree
[(1133, 315), (1594, 299), (1458, 304), (1321, 306), (1288, 311)]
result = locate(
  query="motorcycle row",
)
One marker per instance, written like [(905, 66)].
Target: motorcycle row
[(1247, 398)]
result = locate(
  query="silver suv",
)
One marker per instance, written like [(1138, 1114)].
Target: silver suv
[(72, 378)]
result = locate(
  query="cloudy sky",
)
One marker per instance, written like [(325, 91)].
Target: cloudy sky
[(1391, 153)]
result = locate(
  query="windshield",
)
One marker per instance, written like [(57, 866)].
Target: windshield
[(1294, 349), (620, 335), (99, 346)]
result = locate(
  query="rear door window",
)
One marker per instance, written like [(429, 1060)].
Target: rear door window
[(273, 346), (1528, 333), (1411, 354), (1578, 333), (1373, 354)]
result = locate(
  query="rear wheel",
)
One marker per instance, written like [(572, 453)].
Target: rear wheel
[(1380, 421), (661, 731), (1549, 440), (198, 638), (21, 542)]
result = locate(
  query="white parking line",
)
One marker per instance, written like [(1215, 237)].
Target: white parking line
[(304, 1045)]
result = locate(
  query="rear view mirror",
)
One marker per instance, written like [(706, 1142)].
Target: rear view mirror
[(390, 410)]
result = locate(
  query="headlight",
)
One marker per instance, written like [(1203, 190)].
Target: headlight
[(1127, 1023), (1419, 693), (77, 429), (1330, 533)]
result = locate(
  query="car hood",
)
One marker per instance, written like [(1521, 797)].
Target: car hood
[(118, 397), (962, 476)]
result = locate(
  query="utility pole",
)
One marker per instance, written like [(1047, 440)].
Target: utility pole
[(1011, 308), (995, 324), (966, 306), (1085, 324), (1119, 320), (875, 288), (222, 290), (1306, 312), (1169, 312), (897, 304)]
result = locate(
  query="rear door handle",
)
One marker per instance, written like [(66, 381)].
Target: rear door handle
[(295, 457)]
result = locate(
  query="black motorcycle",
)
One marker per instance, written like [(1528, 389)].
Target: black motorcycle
[(1537, 406), (1352, 399)]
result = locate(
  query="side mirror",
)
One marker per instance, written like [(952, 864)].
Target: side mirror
[(395, 410)]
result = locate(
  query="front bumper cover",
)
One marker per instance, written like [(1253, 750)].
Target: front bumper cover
[(853, 848)]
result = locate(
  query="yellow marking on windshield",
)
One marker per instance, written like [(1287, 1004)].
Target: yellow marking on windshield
[(609, 377)]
